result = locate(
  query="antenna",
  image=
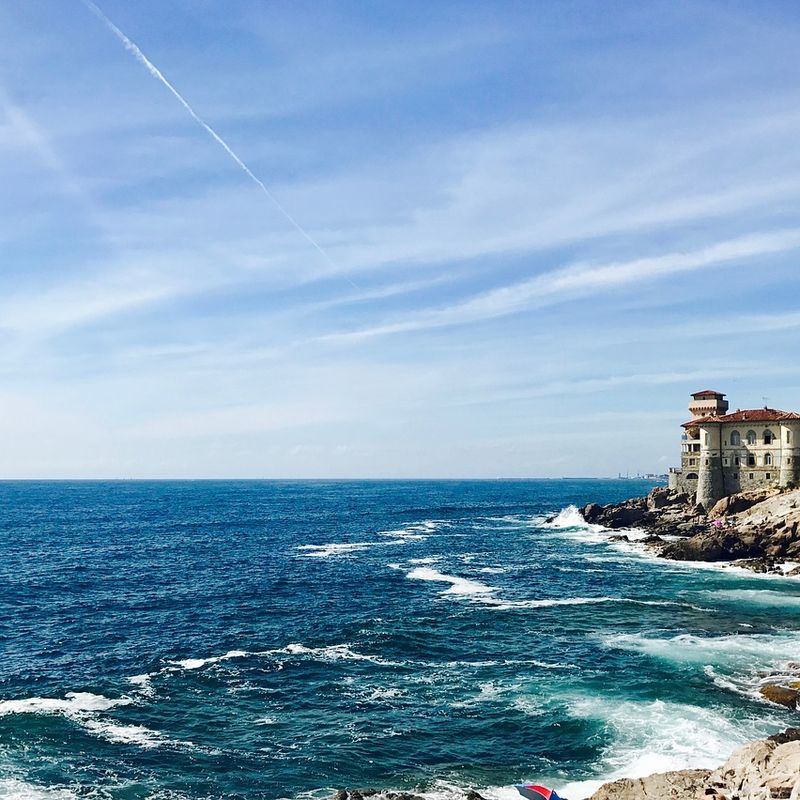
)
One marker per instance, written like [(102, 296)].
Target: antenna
[(766, 402)]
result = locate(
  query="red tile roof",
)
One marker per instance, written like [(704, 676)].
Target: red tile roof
[(708, 393), (750, 415)]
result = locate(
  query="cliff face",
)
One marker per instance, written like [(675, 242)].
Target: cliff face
[(762, 527), (763, 770)]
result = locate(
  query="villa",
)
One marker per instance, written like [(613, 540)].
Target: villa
[(723, 453)]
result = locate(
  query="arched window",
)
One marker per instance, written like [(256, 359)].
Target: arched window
[(768, 459), (751, 437), (691, 476), (767, 437), (736, 438)]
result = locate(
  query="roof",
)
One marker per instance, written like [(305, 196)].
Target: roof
[(749, 415), (708, 393)]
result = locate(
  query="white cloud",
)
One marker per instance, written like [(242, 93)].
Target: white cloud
[(579, 280)]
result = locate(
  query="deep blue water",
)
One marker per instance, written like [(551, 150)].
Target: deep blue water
[(278, 639)]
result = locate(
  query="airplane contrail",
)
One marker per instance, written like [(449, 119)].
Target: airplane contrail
[(132, 48)]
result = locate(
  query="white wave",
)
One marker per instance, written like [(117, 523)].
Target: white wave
[(648, 737), (72, 703), (570, 518), (493, 570), (429, 560), (85, 709), (337, 548), (411, 533), (198, 663), (502, 605), (124, 734), (736, 651), (462, 586), (143, 683), (16, 789), (760, 597), (333, 652)]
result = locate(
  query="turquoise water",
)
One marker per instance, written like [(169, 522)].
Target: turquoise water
[(278, 639)]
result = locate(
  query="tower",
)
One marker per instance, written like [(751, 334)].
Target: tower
[(708, 404)]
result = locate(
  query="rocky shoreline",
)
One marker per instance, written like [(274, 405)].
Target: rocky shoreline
[(757, 530), (766, 769)]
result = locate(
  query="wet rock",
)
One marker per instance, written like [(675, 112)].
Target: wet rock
[(473, 795), (713, 545), (591, 513), (618, 537), (789, 735), (340, 795), (780, 694)]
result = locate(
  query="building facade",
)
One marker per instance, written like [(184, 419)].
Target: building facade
[(723, 453)]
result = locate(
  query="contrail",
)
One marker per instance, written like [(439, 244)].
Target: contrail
[(132, 48)]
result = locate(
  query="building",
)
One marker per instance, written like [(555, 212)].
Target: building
[(724, 453)]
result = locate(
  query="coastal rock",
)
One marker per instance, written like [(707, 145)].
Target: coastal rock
[(681, 785), (759, 771), (713, 545), (473, 795), (767, 769), (781, 694), (621, 515)]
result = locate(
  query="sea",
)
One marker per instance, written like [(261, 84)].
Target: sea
[(283, 639)]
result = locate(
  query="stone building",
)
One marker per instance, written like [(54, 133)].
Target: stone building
[(724, 453)]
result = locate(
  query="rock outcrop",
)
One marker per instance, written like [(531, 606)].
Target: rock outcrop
[(767, 769), (760, 529), (682, 784)]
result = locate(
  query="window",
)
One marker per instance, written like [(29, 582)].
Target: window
[(751, 437), (788, 459), (767, 437), (706, 462), (768, 459), (691, 476), (736, 438), (751, 461), (692, 462), (769, 475), (751, 476), (736, 461), (726, 461), (736, 476)]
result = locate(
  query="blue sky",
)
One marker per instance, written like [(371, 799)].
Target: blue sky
[(543, 225)]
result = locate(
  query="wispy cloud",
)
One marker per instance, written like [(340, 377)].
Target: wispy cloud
[(580, 280)]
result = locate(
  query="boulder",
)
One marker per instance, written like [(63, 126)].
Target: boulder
[(713, 545), (681, 785), (621, 515), (591, 513), (782, 695)]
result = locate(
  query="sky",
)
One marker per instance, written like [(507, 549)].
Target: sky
[(451, 239)]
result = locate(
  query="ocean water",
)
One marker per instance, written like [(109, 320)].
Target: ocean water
[(280, 639)]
